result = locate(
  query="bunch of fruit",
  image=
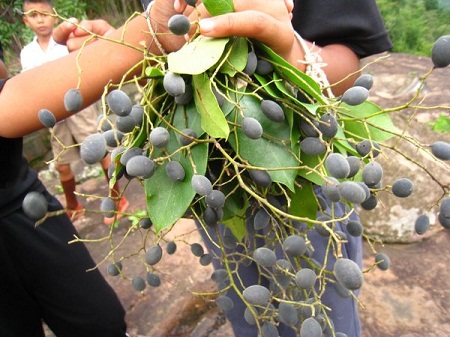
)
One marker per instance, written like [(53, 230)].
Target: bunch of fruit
[(237, 136)]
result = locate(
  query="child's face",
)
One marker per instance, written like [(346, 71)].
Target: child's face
[(39, 20)]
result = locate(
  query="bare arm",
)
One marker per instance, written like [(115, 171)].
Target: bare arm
[(103, 62), (271, 16), (45, 86), (341, 62), (100, 63)]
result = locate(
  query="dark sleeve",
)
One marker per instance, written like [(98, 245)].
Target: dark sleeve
[(10, 157), (355, 23)]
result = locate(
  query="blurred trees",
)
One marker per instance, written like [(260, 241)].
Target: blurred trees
[(14, 35), (414, 25)]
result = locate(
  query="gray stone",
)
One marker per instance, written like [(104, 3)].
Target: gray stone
[(397, 80)]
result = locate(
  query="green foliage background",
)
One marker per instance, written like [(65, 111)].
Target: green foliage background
[(14, 35), (414, 25)]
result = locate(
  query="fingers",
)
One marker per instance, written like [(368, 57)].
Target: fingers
[(290, 7), (161, 12), (98, 27), (249, 18), (74, 34), (179, 6), (251, 24), (62, 32), (260, 24)]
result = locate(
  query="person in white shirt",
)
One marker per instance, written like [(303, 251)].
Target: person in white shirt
[(43, 50), (38, 15)]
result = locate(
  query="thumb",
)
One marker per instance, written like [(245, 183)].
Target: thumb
[(62, 33)]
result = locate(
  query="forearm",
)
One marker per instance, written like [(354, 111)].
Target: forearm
[(343, 67), (93, 66)]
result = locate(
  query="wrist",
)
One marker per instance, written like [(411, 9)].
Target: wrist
[(297, 55), (312, 63), (163, 40), (153, 30)]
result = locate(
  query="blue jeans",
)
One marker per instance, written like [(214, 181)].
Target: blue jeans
[(344, 311)]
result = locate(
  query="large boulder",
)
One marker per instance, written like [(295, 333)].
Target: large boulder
[(398, 81)]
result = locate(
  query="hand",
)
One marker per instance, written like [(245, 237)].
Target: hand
[(246, 21), (74, 34), (256, 19), (269, 21), (180, 6), (161, 12), (290, 7)]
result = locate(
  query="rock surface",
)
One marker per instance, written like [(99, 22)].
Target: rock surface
[(397, 79)]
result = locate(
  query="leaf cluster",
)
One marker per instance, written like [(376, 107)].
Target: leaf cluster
[(223, 151)]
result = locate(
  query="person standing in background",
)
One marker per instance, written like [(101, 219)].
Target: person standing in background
[(66, 134)]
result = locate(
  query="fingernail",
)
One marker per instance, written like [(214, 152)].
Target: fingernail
[(290, 5), (177, 5), (206, 25)]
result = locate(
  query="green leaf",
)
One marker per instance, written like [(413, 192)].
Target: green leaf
[(311, 108), (272, 153), (219, 7), (442, 124), (293, 75), (281, 85), (237, 57), (153, 72), (234, 213), (237, 226), (213, 121), (268, 86), (342, 144), (366, 121), (197, 56), (167, 200), (312, 162), (303, 201), (233, 96), (187, 116), (278, 90)]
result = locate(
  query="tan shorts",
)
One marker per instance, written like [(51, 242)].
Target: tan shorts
[(71, 132)]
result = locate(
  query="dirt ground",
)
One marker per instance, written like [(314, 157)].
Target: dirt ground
[(410, 299)]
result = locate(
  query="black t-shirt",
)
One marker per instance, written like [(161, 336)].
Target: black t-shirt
[(354, 23), (16, 179)]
